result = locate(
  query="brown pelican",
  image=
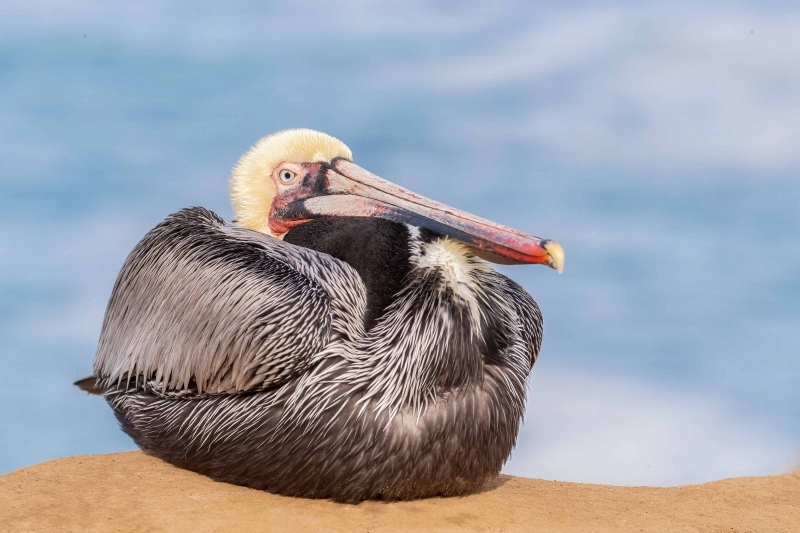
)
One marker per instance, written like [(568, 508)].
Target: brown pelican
[(344, 338)]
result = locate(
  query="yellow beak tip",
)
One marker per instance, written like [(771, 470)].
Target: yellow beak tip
[(556, 253)]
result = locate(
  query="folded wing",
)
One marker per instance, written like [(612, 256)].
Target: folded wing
[(202, 306)]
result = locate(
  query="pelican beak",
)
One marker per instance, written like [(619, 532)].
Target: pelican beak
[(349, 190)]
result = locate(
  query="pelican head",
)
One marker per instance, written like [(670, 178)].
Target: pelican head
[(294, 176)]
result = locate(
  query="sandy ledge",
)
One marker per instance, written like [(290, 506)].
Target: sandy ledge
[(134, 492)]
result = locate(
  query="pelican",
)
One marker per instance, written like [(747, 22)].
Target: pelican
[(343, 338)]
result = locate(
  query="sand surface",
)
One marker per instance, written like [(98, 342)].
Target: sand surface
[(134, 492)]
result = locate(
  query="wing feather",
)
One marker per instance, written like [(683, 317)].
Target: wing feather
[(204, 306)]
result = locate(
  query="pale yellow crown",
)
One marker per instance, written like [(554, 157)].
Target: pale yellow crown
[(252, 188)]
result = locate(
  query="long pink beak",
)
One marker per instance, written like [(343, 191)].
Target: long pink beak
[(349, 190)]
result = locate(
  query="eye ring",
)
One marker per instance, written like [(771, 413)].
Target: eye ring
[(286, 175)]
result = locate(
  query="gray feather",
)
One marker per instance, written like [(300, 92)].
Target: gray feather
[(203, 305)]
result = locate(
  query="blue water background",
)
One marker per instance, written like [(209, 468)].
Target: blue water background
[(660, 145)]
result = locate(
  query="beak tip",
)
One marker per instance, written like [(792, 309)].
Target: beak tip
[(556, 253)]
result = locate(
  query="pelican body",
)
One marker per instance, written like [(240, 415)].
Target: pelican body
[(344, 338)]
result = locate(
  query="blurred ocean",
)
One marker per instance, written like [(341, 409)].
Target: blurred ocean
[(660, 145)]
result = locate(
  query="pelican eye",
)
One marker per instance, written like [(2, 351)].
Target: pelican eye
[(286, 175)]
